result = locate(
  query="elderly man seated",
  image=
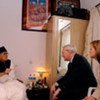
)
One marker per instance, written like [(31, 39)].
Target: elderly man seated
[(10, 89)]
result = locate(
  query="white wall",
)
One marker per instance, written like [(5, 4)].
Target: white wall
[(26, 48), (88, 4)]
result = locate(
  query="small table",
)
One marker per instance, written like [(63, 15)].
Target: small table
[(38, 94)]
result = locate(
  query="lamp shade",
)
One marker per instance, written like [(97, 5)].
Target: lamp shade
[(41, 70)]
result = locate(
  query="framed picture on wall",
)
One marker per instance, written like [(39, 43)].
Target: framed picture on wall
[(35, 14), (56, 4)]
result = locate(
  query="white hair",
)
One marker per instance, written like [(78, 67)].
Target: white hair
[(70, 47)]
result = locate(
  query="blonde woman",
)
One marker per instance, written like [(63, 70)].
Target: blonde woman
[(95, 53)]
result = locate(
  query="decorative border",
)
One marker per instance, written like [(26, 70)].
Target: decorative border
[(35, 14)]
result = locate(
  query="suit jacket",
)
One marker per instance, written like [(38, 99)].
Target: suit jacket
[(79, 77)]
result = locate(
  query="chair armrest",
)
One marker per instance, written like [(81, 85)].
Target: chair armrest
[(91, 90)]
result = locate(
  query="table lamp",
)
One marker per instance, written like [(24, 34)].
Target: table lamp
[(41, 71)]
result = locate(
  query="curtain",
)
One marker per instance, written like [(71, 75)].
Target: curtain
[(93, 33)]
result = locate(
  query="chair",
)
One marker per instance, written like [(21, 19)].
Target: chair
[(90, 91)]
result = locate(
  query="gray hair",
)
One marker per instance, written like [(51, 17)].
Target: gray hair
[(70, 47)]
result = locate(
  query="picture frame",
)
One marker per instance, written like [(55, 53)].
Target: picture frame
[(56, 3), (35, 15), (75, 3)]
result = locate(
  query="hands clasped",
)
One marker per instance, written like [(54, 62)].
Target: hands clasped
[(89, 98), (55, 91)]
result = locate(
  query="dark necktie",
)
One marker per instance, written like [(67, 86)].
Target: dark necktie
[(69, 65)]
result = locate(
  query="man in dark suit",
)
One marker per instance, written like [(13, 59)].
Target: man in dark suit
[(79, 77)]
